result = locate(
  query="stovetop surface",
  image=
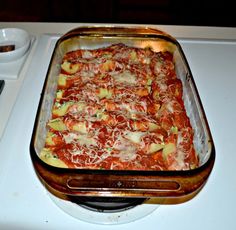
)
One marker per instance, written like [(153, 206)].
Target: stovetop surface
[(25, 203)]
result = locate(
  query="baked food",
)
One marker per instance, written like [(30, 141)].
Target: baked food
[(6, 48), (119, 108)]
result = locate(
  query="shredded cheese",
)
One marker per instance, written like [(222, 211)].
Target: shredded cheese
[(115, 108)]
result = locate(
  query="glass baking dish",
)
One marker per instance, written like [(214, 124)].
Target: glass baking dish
[(164, 186)]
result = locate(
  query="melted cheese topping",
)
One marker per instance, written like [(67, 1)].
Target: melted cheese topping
[(119, 107)]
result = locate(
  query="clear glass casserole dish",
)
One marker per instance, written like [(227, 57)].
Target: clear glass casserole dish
[(170, 186)]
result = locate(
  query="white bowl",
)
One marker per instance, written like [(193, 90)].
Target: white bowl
[(14, 36)]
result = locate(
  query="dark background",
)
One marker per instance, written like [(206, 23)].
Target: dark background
[(171, 12)]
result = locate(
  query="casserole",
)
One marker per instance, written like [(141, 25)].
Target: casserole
[(168, 186)]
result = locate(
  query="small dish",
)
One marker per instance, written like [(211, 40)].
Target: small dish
[(11, 70), (15, 38)]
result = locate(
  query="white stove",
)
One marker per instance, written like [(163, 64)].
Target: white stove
[(26, 204)]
